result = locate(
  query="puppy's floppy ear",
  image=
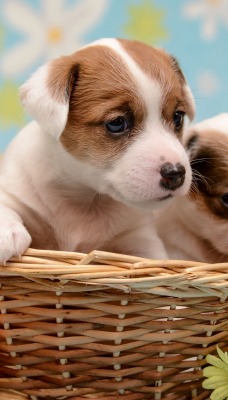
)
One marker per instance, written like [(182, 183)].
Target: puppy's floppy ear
[(47, 93)]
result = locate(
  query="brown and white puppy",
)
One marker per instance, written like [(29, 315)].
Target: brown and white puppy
[(103, 151), (196, 226)]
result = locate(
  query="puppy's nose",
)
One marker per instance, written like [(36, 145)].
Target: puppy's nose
[(172, 176)]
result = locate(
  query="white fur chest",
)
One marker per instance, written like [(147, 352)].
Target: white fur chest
[(96, 225)]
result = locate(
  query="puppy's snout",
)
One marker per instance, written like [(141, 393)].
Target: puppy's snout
[(173, 176)]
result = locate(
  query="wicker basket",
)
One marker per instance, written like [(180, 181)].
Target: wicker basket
[(108, 326)]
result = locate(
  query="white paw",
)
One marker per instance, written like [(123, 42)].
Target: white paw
[(14, 240)]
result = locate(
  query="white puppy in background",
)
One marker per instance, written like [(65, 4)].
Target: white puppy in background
[(196, 227), (103, 151)]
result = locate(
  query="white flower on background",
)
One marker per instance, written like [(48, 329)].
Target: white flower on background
[(212, 12), (208, 83), (51, 31)]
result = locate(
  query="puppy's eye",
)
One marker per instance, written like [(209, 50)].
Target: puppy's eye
[(178, 119), (117, 126), (224, 199)]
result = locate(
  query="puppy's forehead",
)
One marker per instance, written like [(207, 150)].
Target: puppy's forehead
[(119, 60), (140, 57), (158, 76), (155, 62), (154, 74)]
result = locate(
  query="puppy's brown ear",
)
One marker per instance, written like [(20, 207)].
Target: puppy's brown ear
[(47, 93)]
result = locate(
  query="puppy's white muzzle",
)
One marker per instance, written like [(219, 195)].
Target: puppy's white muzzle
[(149, 172)]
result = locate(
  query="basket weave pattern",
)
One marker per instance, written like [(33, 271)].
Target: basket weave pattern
[(108, 326)]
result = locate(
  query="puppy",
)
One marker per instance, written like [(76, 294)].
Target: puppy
[(196, 227), (103, 151)]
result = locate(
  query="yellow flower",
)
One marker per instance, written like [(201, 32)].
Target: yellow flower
[(11, 111), (217, 375), (146, 22)]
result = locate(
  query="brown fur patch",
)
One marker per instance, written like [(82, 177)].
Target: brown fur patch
[(62, 74), (103, 90), (210, 160), (164, 68)]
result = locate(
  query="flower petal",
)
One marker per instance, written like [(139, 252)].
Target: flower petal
[(216, 362), (21, 57), (215, 371), (220, 394), (22, 17), (215, 382), (53, 11), (195, 9), (222, 355), (84, 15), (209, 29)]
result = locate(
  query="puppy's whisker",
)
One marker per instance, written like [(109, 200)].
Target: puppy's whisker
[(198, 177), (194, 189), (198, 160)]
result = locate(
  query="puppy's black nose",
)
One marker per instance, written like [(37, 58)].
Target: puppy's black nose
[(172, 176)]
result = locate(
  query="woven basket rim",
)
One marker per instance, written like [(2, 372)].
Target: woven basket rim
[(176, 278)]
